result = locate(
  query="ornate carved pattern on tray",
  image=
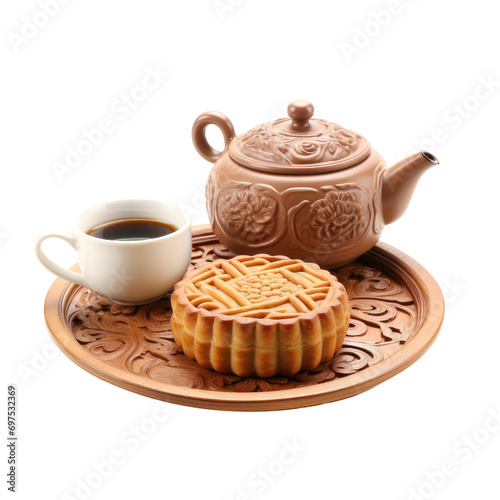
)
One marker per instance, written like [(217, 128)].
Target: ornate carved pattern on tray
[(396, 311)]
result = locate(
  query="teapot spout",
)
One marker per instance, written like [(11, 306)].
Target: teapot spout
[(399, 182)]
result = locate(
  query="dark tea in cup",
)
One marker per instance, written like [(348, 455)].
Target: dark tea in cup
[(132, 230)]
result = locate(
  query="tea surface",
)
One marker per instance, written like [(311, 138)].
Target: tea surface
[(132, 230)]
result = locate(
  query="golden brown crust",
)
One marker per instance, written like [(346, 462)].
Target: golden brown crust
[(259, 315)]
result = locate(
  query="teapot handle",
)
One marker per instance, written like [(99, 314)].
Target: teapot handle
[(200, 139)]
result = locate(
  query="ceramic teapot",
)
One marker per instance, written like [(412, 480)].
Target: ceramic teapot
[(303, 187)]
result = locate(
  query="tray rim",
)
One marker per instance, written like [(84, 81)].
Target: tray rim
[(261, 401)]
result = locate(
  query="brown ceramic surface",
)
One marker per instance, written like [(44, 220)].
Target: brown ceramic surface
[(303, 187), (396, 311)]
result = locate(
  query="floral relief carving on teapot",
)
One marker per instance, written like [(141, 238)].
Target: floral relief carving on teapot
[(338, 218), (303, 187), (249, 213), (263, 143)]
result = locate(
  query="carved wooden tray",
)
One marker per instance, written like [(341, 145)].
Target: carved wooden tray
[(396, 308)]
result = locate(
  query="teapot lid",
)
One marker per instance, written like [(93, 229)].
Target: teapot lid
[(299, 144)]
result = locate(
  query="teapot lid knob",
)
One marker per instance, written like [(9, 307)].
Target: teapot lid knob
[(300, 111)]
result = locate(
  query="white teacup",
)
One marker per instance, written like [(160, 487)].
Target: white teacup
[(127, 272)]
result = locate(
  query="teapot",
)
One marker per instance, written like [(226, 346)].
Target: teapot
[(303, 187)]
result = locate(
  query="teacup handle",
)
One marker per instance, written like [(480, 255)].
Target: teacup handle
[(200, 139), (49, 264)]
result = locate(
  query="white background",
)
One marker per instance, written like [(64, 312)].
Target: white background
[(248, 60)]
